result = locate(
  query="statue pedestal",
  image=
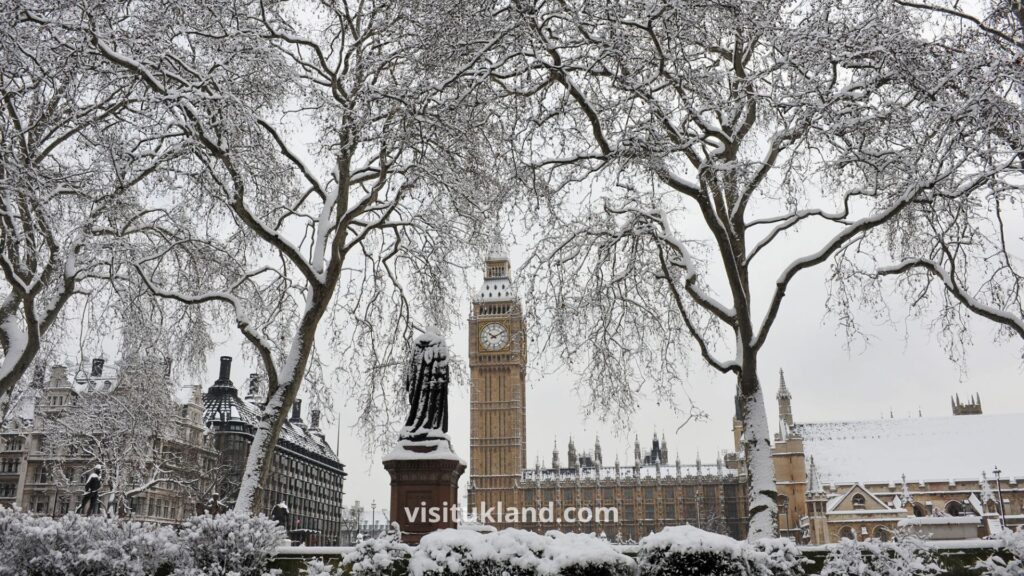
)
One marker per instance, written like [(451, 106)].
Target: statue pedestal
[(424, 486)]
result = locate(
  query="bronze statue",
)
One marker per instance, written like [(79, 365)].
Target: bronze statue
[(426, 383), (91, 497)]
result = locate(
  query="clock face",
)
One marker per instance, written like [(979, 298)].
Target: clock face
[(494, 337)]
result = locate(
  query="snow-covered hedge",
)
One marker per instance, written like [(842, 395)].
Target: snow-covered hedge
[(1012, 542), (516, 553), (686, 550), (92, 546), (384, 556), (907, 556), (78, 545), (231, 544)]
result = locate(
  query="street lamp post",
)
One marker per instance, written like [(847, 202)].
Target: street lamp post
[(373, 523), (999, 495)]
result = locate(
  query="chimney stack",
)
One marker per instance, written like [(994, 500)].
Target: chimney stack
[(58, 376), (296, 411), (314, 418), (224, 378), (97, 367)]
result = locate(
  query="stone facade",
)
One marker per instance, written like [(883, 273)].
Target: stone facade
[(647, 494), (26, 473), (865, 479)]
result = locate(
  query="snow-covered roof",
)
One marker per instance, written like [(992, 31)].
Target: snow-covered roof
[(925, 449), (223, 406), (626, 472), (496, 290)]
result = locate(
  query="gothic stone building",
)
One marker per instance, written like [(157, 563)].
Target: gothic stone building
[(864, 479), (305, 474), (27, 474), (648, 495)]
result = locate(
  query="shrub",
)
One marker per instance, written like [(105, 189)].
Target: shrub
[(583, 555), (83, 546), (449, 552), (1012, 542), (519, 552), (775, 557), (906, 556), (689, 551), (235, 544), (384, 556)]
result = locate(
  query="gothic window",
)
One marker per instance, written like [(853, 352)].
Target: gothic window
[(858, 501), (847, 532), (881, 533), (670, 512), (649, 492), (669, 491), (609, 494), (649, 512), (919, 510), (955, 508)]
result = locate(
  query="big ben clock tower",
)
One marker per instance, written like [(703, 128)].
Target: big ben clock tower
[(497, 365)]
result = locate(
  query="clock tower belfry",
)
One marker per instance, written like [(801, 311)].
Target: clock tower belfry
[(497, 366)]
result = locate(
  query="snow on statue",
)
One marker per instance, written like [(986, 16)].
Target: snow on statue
[(426, 383), (427, 375)]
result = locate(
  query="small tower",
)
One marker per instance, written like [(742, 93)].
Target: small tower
[(574, 462), (655, 450), (636, 451), (817, 502), (972, 406), (664, 449), (597, 452), (699, 473), (555, 462), (785, 407)]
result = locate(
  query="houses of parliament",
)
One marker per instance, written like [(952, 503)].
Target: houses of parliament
[(649, 493)]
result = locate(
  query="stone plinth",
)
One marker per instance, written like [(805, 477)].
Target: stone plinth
[(424, 487)]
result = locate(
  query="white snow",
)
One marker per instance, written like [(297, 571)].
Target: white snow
[(879, 451), (438, 444), (684, 539)]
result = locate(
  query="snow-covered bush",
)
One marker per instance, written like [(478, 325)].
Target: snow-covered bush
[(775, 557), (905, 557), (1012, 542), (384, 556), (83, 546), (230, 543), (454, 552), (517, 553), (689, 551), (583, 555)]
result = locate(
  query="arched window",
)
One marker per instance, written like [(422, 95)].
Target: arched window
[(919, 510), (858, 501), (881, 533), (954, 508), (847, 532)]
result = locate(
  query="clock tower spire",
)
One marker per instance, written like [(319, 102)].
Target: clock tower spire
[(497, 365)]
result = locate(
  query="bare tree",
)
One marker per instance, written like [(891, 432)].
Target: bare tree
[(361, 226), (132, 427), (969, 249), (78, 149), (681, 152)]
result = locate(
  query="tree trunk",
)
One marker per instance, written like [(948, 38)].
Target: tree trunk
[(763, 520)]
